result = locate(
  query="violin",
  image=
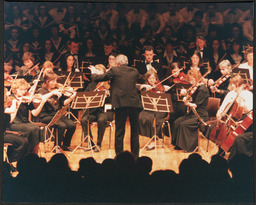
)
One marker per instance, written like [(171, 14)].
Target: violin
[(102, 86), (181, 79), (8, 102), (158, 87), (66, 91), (32, 71)]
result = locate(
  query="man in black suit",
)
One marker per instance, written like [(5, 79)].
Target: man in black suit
[(125, 100), (149, 63)]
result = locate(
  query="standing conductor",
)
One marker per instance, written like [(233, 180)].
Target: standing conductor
[(125, 100)]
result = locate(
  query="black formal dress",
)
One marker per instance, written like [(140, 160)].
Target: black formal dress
[(95, 115), (185, 129), (48, 112), (126, 102)]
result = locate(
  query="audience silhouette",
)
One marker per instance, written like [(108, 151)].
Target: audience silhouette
[(124, 180)]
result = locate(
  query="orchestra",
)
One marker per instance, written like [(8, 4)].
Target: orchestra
[(34, 90)]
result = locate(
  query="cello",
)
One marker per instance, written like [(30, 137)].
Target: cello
[(238, 129)]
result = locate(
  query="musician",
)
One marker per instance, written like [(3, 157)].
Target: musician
[(178, 77), (146, 117), (249, 64), (185, 128), (111, 60), (20, 118), (222, 90), (29, 68), (201, 48), (149, 63), (125, 100), (73, 50), (19, 144), (96, 114), (195, 63), (237, 92), (57, 99)]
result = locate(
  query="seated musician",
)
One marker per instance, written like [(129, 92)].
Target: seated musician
[(146, 117), (178, 77), (185, 128), (29, 67), (20, 118), (97, 114), (237, 93), (249, 64), (57, 99), (19, 144), (220, 86)]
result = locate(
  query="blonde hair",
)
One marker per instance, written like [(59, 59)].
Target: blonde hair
[(18, 83), (48, 64), (100, 67), (237, 80)]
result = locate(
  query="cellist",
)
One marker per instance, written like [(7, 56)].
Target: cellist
[(238, 94)]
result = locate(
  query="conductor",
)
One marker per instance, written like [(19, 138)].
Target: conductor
[(125, 100)]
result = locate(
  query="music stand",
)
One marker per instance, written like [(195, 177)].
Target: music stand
[(55, 120), (156, 102), (86, 100), (76, 82)]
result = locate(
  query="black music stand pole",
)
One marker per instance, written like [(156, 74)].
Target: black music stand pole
[(88, 100)]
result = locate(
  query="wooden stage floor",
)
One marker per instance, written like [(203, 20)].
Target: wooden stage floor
[(163, 158)]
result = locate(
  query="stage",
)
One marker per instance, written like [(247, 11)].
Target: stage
[(163, 158)]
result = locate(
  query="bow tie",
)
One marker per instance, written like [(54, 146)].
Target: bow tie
[(147, 63)]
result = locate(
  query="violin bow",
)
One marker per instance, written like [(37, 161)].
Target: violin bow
[(30, 69), (167, 77)]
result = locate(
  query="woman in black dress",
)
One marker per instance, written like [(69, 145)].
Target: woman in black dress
[(146, 117), (185, 129)]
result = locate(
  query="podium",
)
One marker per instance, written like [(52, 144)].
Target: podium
[(156, 102), (86, 100)]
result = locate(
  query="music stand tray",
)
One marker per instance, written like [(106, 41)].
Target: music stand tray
[(86, 100), (156, 102), (55, 120)]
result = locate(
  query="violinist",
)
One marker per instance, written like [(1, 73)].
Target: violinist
[(179, 109), (19, 146), (57, 99), (97, 114), (243, 97), (220, 86), (29, 68), (146, 117), (185, 128), (20, 118)]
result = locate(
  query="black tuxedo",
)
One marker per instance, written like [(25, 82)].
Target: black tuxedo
[(126, 101), (142, 68)]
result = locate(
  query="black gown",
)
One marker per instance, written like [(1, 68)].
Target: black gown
[(185, 129)]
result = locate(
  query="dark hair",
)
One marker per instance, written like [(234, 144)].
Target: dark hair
[(148, 48), (64, 66)]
